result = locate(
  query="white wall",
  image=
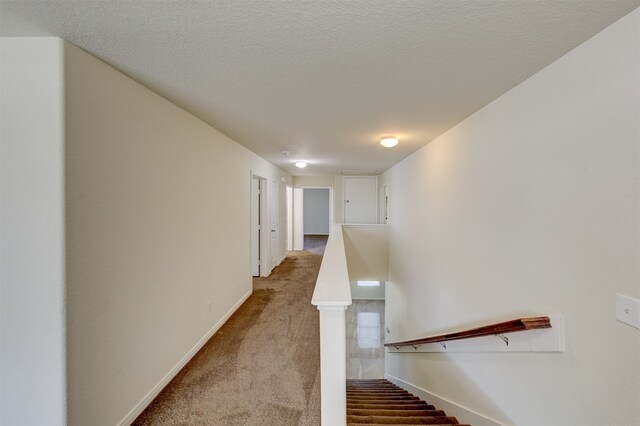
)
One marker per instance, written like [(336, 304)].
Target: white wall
[(529, 206), (157, 224), (338, 197), (158, 213), (32, 333), (316, 211), (367, 251), (367, 293), (302, 181)]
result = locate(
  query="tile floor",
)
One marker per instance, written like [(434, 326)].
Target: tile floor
[(365, 339)]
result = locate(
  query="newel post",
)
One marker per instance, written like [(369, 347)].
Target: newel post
[(333, 365), (332, 295)]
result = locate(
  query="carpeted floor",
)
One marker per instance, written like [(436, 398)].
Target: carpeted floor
[(315, 243), (262, 367)]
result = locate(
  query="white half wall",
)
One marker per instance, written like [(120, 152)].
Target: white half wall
[(531, 205), (32, 297), (158, 214), (367, 249)]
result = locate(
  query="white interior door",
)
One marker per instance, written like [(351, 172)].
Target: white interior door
[(255, 227), (360, 199), (273, 218)]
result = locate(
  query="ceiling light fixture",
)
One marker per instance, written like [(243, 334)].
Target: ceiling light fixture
[(301, 164), (389, 142)]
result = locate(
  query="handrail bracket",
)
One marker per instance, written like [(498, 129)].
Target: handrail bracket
[(504, 338)]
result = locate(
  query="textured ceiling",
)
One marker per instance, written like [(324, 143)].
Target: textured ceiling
[(323, 79)]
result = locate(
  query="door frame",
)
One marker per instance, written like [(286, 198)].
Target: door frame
[(384, 205), (298, 213), (289, 204), (273, 200), (255, 226), (264, 237)]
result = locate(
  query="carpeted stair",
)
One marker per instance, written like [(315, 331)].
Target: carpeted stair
[(379, 401)]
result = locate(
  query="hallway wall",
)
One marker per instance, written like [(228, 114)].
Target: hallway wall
[(134, 211), (529, 206), (157, 225)]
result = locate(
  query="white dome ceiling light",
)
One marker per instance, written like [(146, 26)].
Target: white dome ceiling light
[(389, 142), (301, 164)]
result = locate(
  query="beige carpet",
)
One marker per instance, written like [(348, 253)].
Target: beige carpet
[(263, 365)]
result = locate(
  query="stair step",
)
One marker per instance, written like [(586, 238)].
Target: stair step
[(373, 387), (380, 402), (394, 393), (417, 405), (395, 420), (368, 393), (356, 383), (398, 413), (385, 398), (380, 396)]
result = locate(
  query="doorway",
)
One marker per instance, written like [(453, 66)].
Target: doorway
[(312, 205), (316, 218)]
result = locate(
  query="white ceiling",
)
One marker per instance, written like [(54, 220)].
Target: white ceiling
[(323, 79)]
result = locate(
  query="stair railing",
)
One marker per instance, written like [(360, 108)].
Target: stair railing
[(332, 296), (497, 329)]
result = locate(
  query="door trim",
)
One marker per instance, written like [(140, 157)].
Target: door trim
[(265, 260)]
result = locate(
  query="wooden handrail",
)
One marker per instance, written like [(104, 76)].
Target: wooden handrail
[(520, 324)]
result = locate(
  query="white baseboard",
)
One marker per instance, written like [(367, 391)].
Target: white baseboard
[(464, 415), (139, 408)]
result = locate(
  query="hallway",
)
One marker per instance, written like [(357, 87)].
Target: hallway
[(262, 367)]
